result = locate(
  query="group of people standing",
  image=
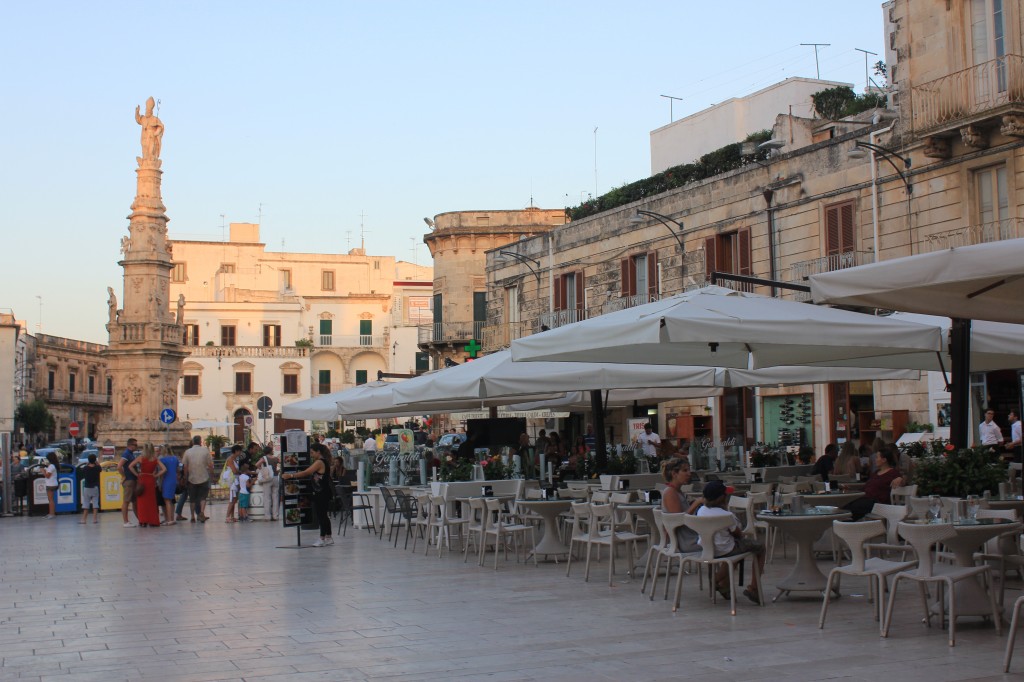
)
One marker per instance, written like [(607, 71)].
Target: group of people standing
[(159, 482)]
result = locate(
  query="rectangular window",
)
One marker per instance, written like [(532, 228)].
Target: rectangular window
[(92, 384), (286, 279), (51, 380), (327, 280), (512, 311), (191, 335), (323, 382), (360, 377), (110, 385), (243, 383), (639, 277), (227, 268), (326, 331), (72, 377), (178, 273), (988, 44), (190, 384), (729, 253), (422, 362), (993, 200), (840, 234), (227, 335), (272, 335), (291, 384), (569, 296), (365, 332)]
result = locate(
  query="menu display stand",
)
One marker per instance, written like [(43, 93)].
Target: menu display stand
[(297, 493)]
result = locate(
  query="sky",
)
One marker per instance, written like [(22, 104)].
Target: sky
[(336, 123)]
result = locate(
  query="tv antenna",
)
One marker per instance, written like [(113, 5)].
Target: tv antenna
[(817, 70), (867, 78), (671, 100), (362, 232)]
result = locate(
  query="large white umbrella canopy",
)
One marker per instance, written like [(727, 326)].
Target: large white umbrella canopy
[(715, 326), (977, 282), (496, 378), (325, 407)]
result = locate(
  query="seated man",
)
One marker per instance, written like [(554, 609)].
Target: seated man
[(823, 467), (730, 541)]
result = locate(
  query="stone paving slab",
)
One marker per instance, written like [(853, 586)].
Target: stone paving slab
[(221, 602)]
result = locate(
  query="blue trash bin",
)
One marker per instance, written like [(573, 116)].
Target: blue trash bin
[(67, 489)]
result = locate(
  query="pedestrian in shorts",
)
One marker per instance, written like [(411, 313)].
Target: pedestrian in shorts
[(91, 490)]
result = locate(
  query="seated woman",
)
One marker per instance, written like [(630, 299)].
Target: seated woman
[(848, 462), (731, 541), (339, 474), (880, 484), (676, 472)]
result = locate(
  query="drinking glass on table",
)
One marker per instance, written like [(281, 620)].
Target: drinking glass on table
[(934, 507), (973, 504)]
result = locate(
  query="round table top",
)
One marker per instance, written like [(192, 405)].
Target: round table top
[(808, 513), (527, 503), (961, 523)]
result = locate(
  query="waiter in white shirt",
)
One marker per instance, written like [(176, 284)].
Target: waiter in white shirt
[(989, 431)]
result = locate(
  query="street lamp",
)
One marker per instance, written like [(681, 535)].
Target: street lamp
[(525, 260), (891, 157), (672, 226)]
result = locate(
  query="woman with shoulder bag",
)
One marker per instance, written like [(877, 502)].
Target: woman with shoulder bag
[(271, 482), (323, 490)]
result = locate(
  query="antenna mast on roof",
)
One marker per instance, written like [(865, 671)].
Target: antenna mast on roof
[(362, 232), (867, 78), (816, 46)]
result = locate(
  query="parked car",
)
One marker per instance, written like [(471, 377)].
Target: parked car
[(83, 456), (448, 443), (391, 443), (62, 455)]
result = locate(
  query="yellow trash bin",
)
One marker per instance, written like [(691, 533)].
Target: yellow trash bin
[(110, 490)]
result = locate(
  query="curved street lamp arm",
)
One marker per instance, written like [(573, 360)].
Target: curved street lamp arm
[(669, 223), (889, 155), (525, 260)]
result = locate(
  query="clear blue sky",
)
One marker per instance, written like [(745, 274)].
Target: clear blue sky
[(321, 111)]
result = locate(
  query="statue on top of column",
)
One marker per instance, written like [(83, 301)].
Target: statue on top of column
[(152, 131)]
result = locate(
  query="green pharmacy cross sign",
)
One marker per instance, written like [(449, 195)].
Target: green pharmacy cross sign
[(472, 348)]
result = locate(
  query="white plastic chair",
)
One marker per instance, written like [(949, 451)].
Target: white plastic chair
[(856, 534), (1013, 633), (670, 524), (496, 524), (924, 537), (901, 493), (890, 515), (579, 531), (706, 527), (1002, 549), (603, 533), (476, 521)]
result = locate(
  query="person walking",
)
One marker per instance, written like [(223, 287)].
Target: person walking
[(197, 470), (128, 482), (91, 490), (323, 491), (271, 485), (51, 484), (147, 469), (230, 476), (169, 484)]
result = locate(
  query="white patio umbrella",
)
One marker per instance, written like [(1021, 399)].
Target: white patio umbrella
[(715, 326), (496, 377), (978, 282), (325, 406)]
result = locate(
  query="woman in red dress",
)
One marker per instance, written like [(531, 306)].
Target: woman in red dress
[(147, 468)]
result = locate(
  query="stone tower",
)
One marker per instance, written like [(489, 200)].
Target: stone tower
[(146, 347)]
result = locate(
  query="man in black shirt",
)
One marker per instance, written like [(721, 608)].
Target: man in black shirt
[(91, 490), (823, 467)]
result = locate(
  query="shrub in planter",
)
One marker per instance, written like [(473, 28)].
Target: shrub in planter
[(958, 473)]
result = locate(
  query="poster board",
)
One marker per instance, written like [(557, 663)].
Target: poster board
[(297, 493), (636, 427)]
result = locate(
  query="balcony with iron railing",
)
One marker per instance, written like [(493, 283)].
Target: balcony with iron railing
[(449, 332), (248, 351), (496, 337), (969, 96), (623, 302), (801, 270), (350, 341), (560, 318), (1011, 228), (78, 397)]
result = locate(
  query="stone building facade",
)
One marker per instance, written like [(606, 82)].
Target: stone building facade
[(458, 243), (71, 377), (947, 171), (289, 326)]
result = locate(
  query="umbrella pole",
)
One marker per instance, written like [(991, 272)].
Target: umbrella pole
[(960, 391), (597, 410)]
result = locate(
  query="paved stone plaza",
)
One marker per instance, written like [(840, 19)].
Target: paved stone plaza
[(221, 602)]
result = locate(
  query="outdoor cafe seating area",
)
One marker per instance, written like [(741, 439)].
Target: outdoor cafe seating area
[(965, 556)]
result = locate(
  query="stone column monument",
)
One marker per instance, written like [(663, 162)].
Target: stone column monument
[(146, 348)]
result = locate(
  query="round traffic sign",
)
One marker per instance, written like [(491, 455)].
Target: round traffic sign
[(264, 404), (247, 420), (167, 415), (74, 429)]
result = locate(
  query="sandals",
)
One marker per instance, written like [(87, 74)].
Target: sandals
[(752, 596), (230, 519), (724, 591)]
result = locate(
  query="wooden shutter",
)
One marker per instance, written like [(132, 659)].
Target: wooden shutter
[(580, 298), (710, 256), (628, 277), (559, 295), (652, 275), (744, 257), (846, 231), (839, 229)]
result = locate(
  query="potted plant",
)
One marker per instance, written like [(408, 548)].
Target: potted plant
[(958, 473)]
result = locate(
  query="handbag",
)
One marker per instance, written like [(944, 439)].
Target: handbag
[(266, 472)]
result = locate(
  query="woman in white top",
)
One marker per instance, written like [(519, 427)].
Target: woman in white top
[(51, 484)]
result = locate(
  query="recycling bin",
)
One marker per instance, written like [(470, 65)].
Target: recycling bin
[(38, 502), (67, 490), (110, 490)]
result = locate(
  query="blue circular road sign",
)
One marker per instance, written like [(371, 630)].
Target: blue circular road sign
[(167, 416)]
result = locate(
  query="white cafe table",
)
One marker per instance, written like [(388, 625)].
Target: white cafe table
[(549, 544), (1014, 502), (971, 599), (805, 528)]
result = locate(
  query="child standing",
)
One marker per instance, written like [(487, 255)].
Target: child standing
[(244, 486), (91, 490)]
